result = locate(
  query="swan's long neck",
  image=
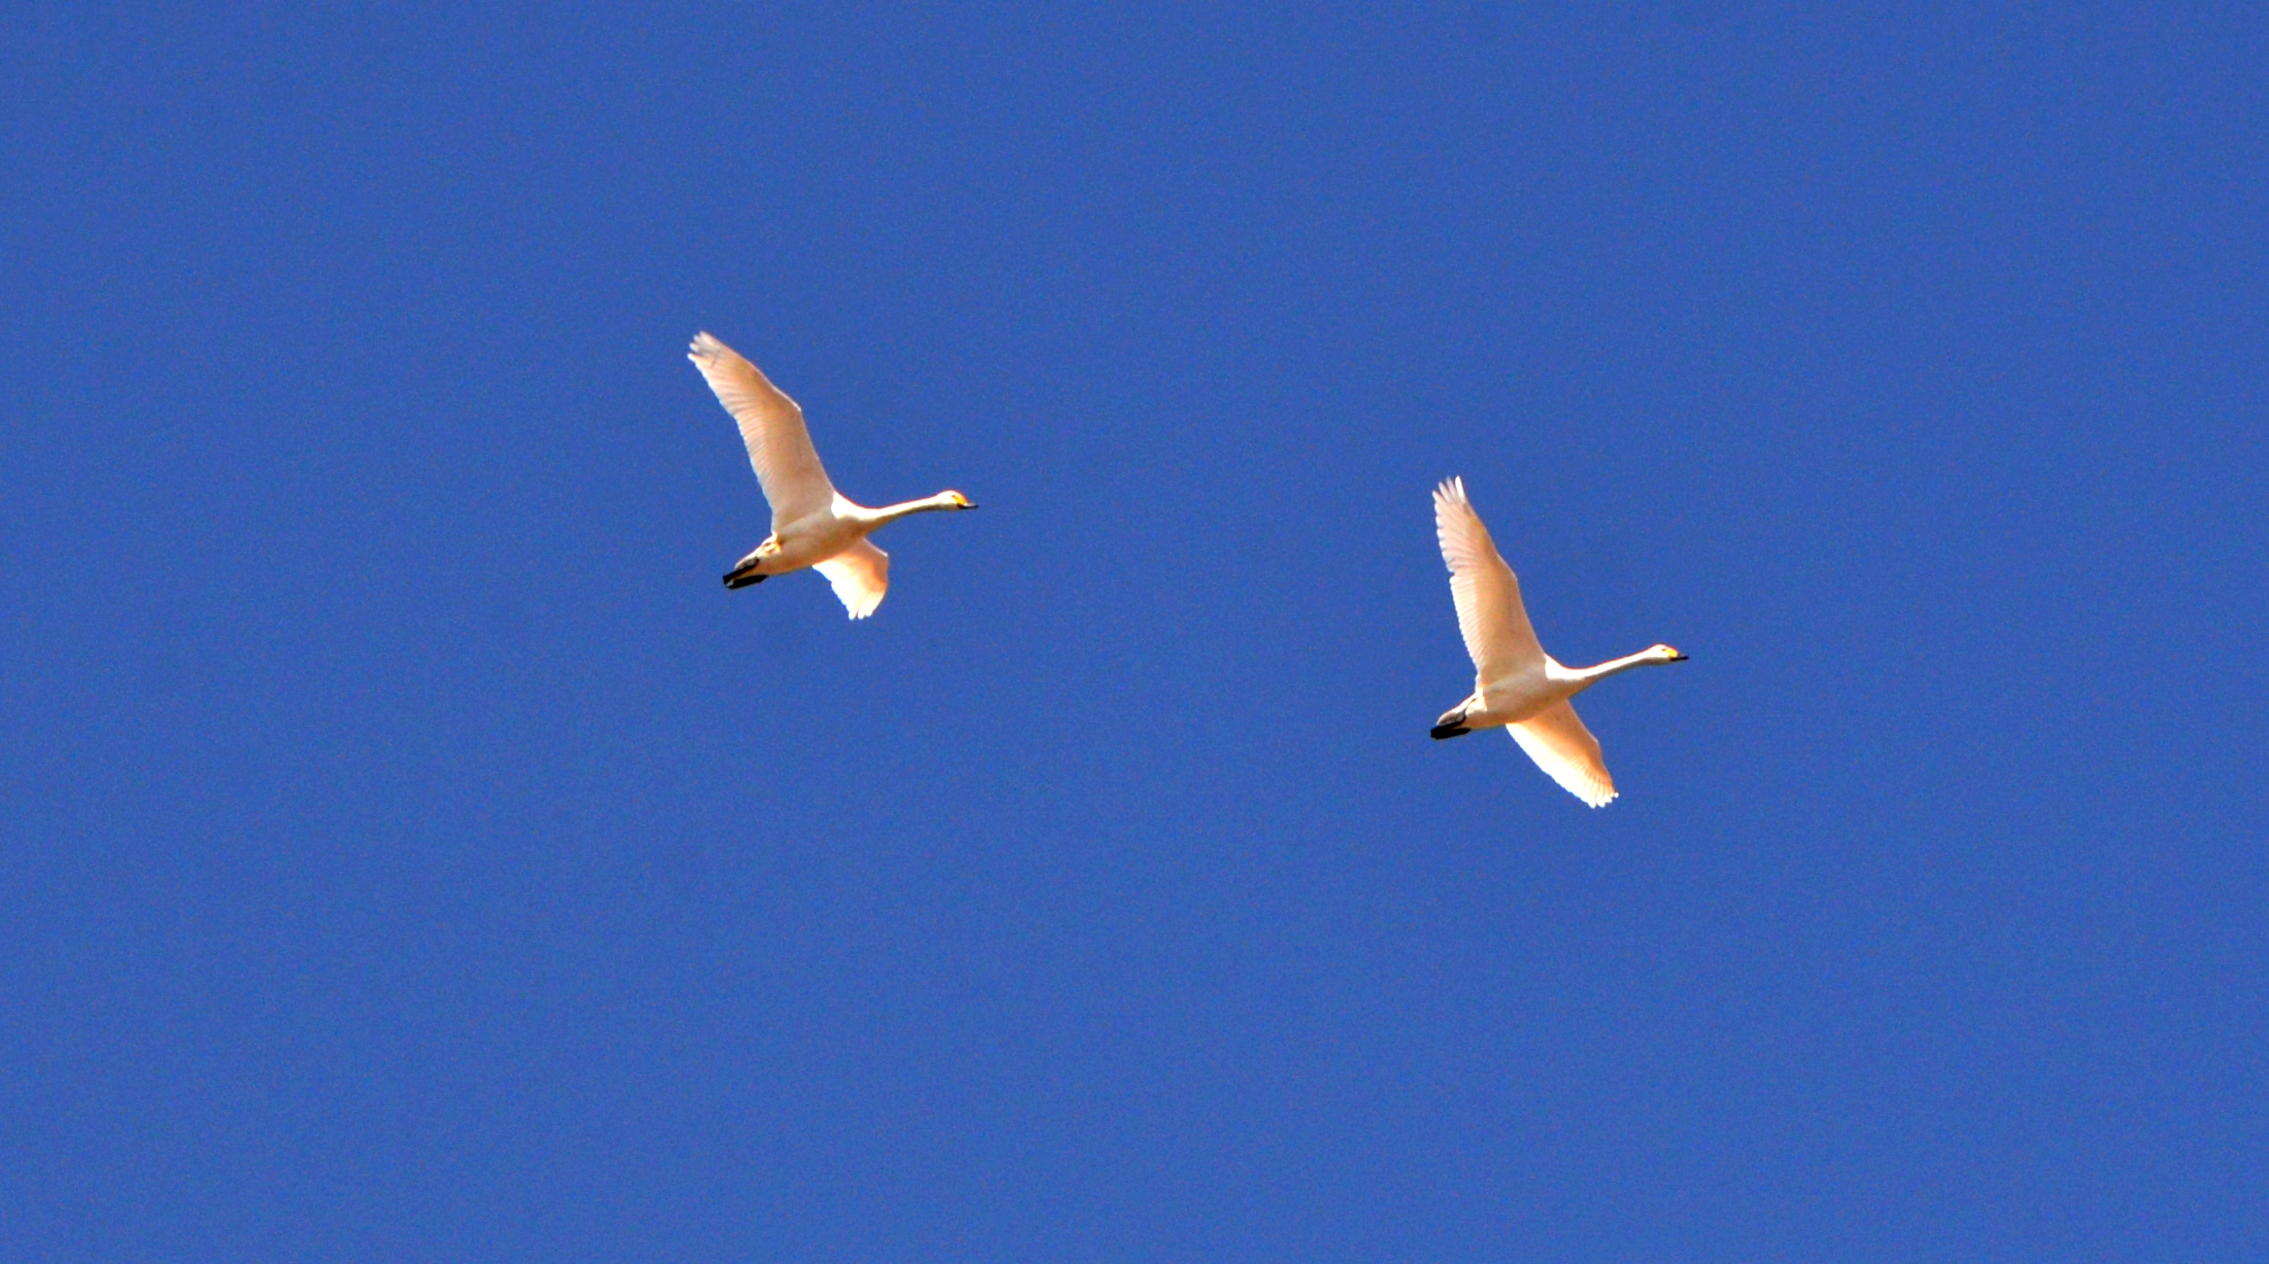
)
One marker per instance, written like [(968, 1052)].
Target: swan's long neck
[(1585, 676), (892, 513)]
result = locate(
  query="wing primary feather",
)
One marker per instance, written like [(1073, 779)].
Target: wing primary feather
[(772, 427), (1491, 619)]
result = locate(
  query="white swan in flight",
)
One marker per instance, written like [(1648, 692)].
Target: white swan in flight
[(1516, 685), (812, 524)]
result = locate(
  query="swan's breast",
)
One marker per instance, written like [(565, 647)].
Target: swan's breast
[(1519, 696), (815, 538)]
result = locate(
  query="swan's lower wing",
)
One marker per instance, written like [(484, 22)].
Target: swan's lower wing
[(1567, 752), (860, 575)]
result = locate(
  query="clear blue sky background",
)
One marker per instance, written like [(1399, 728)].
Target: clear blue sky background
[(412, 852)]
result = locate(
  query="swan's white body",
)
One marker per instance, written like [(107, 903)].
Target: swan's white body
[(813, 525), (1516, 685)]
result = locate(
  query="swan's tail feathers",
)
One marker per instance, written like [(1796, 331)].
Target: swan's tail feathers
[(1452, 723), (745, 571)]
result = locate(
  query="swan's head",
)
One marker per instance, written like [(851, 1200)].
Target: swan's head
[(955, 500), (1665, 654)]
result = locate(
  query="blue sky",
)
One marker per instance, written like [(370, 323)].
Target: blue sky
[(413, 852)]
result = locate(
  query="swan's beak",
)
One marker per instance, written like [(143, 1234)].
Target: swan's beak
[(1678, 658)]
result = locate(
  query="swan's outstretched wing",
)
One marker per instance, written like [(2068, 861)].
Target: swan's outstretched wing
[(1567, 752), (1496, 628), (772, 427), (860, 574)]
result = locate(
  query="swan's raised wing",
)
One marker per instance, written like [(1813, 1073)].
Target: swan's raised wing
[(773, 428), (1496, 628), (1566, 751), (860, 575)]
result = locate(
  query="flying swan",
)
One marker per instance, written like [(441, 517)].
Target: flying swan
[(812, 524), (1516, 684)]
